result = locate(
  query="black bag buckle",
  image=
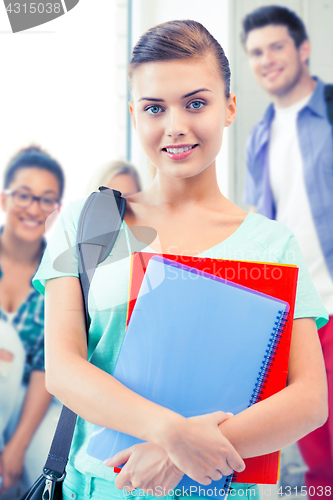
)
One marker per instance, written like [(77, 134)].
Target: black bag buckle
[(51, 479)]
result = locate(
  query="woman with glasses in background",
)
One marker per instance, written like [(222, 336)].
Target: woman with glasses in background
[(33, 188)]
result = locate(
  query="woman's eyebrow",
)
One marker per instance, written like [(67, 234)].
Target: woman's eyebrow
[(29, 189), (150, 99), (153, 99), (195, 92), (49, 191)]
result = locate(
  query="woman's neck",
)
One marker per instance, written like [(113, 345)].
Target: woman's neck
[(18, 251), (202, 188)]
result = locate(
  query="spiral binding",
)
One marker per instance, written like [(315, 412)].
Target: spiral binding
[(227, 482), (272, 347), (233, 479)]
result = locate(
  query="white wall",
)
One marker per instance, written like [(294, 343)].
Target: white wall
[(213, 14), (63, 84), (58, 90)]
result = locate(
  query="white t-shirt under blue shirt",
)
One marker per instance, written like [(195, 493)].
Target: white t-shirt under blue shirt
[(257, 239), (293, 209)]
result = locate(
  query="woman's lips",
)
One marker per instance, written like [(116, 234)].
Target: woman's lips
[(179, 152), (31, 224)]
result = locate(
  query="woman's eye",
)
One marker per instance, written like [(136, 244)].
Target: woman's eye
[(153, 110), (48, 201), (196, 104), (23, 196)]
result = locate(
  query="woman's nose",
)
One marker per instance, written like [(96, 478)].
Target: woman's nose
[(176, 123), (34, 208)]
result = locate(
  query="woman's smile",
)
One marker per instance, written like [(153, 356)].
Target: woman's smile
[(179, 110), (179, 152)]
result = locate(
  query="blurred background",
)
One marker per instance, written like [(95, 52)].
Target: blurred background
[(64, 84), (64, 88)]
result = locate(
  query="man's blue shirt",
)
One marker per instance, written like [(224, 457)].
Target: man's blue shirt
[(316, 144)]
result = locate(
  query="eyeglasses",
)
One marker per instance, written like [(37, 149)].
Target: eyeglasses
[(24, 200)]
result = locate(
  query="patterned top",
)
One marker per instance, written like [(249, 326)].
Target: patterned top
[(28, 321)]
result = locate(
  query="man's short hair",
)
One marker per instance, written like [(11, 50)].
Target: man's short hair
[(275, 15), (34, 157)]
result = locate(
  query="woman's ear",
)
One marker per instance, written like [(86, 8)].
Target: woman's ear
[(3, 201), (231, 110), (131, 110)]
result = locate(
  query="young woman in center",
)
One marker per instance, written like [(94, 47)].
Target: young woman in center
[(181, 103)]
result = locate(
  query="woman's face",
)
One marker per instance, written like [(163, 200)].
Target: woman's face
[(123, 183), (179, 110), (28, 223)]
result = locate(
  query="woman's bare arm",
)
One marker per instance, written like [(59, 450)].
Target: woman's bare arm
[(293, 412), (265, 427), (36, 403), (80, 385), (195, 445)]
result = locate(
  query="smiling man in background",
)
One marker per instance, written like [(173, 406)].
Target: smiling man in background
[(290, 176)]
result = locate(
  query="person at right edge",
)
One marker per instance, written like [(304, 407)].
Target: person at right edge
[(290, 177)]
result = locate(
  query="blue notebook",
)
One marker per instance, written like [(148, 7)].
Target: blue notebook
[(195, 344)]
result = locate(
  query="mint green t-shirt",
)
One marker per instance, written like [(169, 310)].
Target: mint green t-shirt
[(257, 239)]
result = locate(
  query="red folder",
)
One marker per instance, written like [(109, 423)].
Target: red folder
[(277, 280)]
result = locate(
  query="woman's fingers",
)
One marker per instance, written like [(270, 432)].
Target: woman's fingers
[(206, 481), (224, 470), (120, 458), (201, 450), (220, 416), (123, 480), (204, 455), (234, 461), (217, 475), (148, 467)]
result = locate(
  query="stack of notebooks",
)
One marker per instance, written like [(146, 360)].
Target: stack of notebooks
[(205, 335)]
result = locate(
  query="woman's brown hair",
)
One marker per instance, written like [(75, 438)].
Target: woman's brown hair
[(179, 40)]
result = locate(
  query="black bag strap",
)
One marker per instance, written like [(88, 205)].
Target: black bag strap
[(58, 455), (98, 227), (328, 94)]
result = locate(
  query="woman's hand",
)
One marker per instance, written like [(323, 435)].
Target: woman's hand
[(199, 449), (11, 465), (148, 467)]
